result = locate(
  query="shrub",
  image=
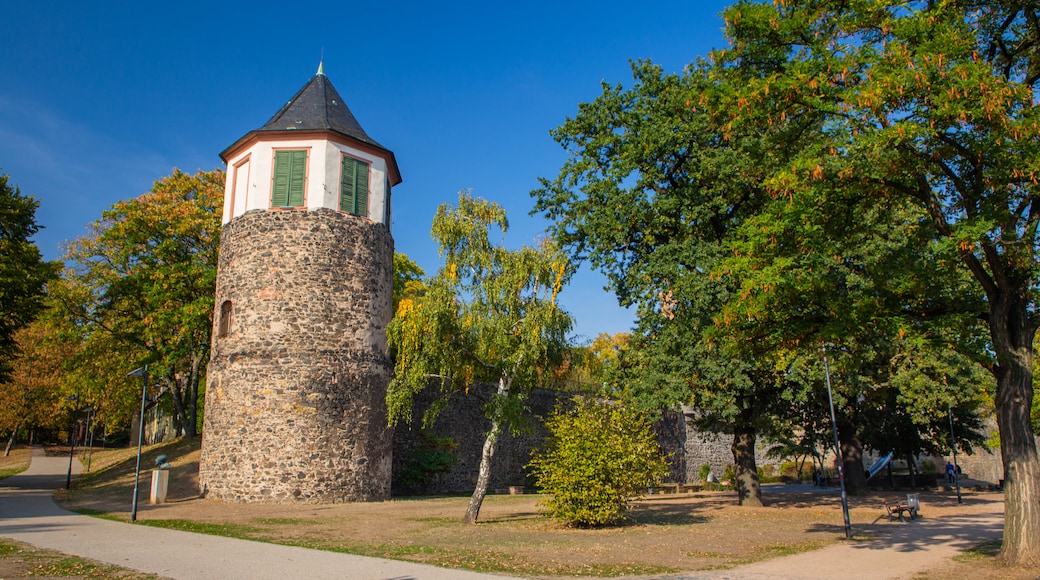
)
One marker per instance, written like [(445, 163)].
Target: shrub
[(729, 475), (598, 456), (430, 456), (703, 472)]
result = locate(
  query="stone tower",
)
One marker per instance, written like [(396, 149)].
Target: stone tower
[(295, 396)]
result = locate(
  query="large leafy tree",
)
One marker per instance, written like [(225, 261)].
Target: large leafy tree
[(654, 185), (929, 105), (23, 271), (488, 316), (144, 277), (33, 393)]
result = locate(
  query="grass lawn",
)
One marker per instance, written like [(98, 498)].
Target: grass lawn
[(16, 462), (18, 560), (665, 533)]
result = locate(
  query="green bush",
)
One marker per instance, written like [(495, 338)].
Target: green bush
[(598, 456), (703, 472), (430, 456), (729, 475)]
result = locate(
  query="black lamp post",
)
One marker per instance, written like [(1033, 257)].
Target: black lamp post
[(143, 373), (953, 446), (72, 438), (837, 448)]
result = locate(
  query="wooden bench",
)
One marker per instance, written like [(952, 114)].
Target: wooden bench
[(898, 509)]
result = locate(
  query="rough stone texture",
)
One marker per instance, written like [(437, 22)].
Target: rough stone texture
[(295, 399), (464, 421), (688, 449)]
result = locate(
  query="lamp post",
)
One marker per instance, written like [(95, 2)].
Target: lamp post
[(90, 436), (72, 438), (143, 373), (837, 447), (953, 446)]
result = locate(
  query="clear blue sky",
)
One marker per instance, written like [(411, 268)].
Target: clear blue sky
[(99, 99)]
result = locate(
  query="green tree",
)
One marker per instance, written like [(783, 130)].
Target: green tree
[(33, 393), (489, 316), (930, 105), (596, 368), (654, 185), (598, 457), (23, 271), (407, 279), (145, 275)]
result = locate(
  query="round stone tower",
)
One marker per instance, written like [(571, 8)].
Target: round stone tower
[(295, 395)]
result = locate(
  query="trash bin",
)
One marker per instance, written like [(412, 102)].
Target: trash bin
[(913, 503), (160, 480)]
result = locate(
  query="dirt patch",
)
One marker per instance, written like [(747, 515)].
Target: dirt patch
[(16, 461), (665, 533), (18, 560)]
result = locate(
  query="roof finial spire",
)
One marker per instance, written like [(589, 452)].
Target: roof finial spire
[(321, 63)]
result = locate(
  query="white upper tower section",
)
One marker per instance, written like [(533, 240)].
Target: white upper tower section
[(311, 154)]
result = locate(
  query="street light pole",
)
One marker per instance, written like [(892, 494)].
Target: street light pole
[(143, 373), (953, 446), (72, 438), (837, 447)]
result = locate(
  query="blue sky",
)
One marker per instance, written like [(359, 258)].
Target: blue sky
[(99, 99)]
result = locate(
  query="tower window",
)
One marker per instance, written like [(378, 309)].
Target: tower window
[(290, 177), (353, 186), (224, 327)]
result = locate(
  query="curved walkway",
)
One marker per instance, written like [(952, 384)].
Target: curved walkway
[(28, 514)]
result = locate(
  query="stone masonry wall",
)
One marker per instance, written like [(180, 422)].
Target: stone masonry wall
[(688, 449), (295, 400), (463, 420)]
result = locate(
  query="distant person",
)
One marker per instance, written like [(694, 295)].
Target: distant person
[(951, 474)]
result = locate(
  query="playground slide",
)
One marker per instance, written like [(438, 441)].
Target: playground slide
[(879, 465)]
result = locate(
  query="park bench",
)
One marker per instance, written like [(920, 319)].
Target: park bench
[(909, 508)]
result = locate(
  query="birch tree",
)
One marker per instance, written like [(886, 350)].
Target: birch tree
[(489, 316)]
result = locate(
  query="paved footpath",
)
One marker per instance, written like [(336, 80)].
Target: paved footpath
[(28, 514)]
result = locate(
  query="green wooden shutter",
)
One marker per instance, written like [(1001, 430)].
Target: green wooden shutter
[(353, 186), (297, 177), (361, 204), (290, 173), (280, 187), (346, 184)]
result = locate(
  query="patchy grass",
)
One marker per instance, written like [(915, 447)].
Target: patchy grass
[(18, 560), (979, 563), (664, 533), (16, 462)]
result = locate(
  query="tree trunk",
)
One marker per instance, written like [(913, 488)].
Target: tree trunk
[(192, 397), (1021, 545), (911, 471), (490, 444), (10, 442), (852, 454), (749, 488), (1021, 468), (177, 397)]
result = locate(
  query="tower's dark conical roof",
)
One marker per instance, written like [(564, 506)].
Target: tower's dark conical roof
[(317, 106)]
